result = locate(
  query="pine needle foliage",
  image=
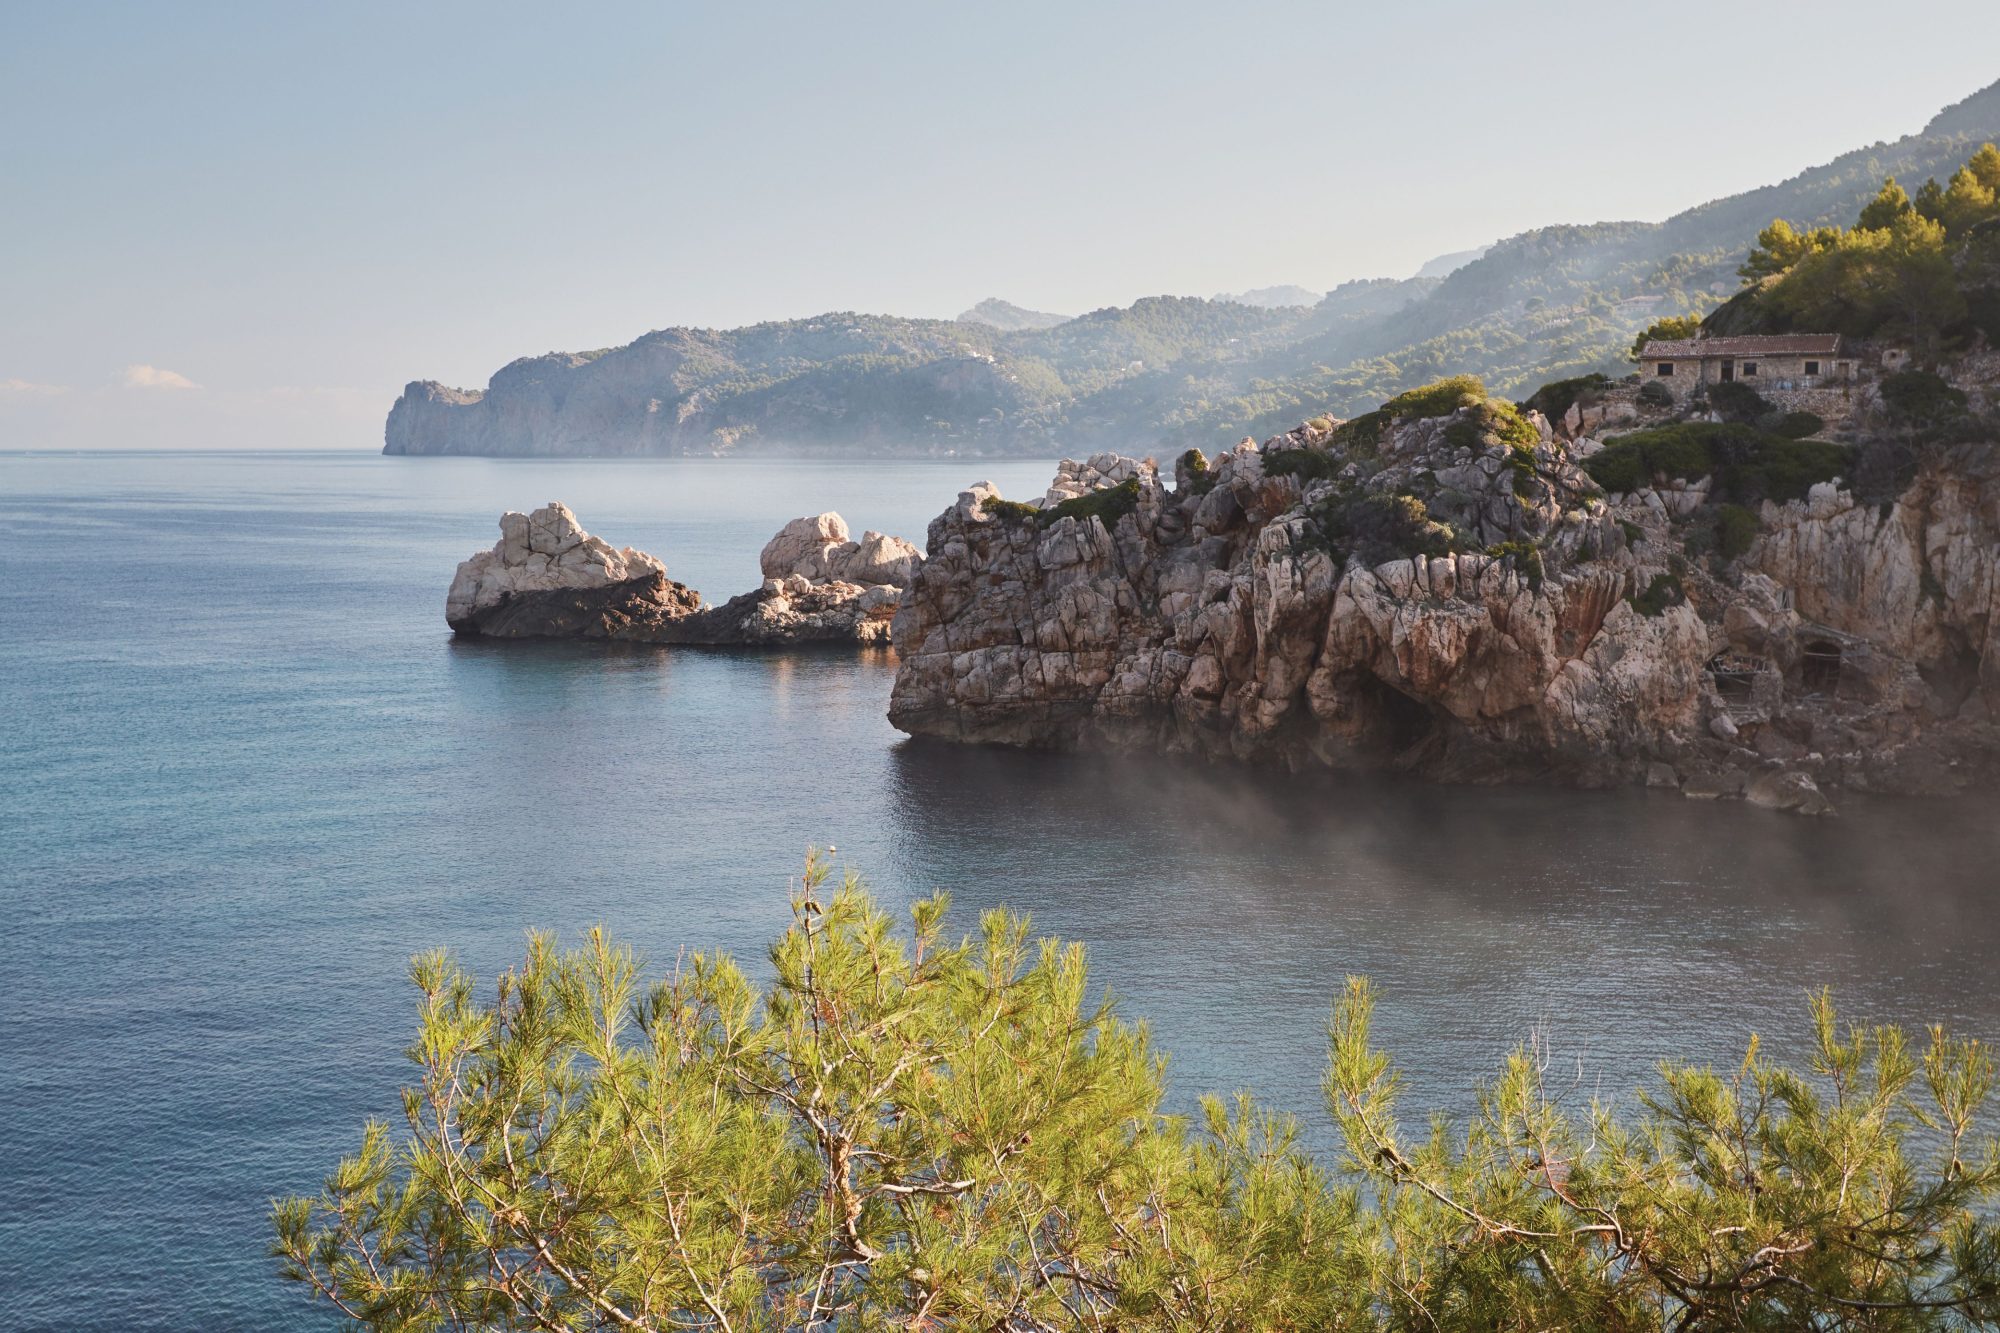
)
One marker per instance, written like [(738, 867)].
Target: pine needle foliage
[(907, 1131)]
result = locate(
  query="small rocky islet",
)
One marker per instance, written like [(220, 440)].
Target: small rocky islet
[(1456, 587), (548, 578)]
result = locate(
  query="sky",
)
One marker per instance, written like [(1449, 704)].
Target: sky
[(249, 225)]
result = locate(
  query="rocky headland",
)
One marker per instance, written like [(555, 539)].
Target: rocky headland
[(548, 578), (1464, 590)]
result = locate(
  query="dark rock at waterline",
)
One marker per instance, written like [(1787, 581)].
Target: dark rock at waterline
[(549, 579)]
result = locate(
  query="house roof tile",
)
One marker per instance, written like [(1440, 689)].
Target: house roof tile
[(1780, 344)]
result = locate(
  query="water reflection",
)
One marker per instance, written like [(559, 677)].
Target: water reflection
[(1227, 906)]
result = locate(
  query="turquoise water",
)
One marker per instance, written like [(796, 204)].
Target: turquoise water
[(245, 772)]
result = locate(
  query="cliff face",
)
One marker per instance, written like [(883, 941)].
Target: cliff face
[(1252, 612)]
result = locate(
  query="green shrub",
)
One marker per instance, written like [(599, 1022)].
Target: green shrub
[(1734, 400), (1634, 534), (1108, 503), (1884, 467), (1554, 400), (1009, 512), (1922, 398), (1361, 437), (1438, 399), (1736, 528), (1797, 425), (1200, 479), (1664, 591), (1377, 528), (1748, 465), (1305, 464), (1655, 394), (1493, 421), (1527, 558)]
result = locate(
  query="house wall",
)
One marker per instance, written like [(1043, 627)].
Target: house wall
[(1780, 379), (1776, 375)]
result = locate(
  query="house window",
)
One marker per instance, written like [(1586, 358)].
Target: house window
[(1666, 367), (1749, 368), (1812, 367)]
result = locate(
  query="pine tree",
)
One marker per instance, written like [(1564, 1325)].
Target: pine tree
[(910, 1132), (1888, 207)]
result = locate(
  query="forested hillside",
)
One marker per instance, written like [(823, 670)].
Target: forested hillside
[(1166, 371)]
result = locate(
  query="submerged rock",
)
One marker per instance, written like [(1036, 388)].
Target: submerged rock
[(548, 578), (1780, 789)]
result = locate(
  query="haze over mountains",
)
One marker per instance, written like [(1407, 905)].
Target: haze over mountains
[(1010, 318), (1165, 372)]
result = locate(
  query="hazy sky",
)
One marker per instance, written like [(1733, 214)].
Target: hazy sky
[(247, 225)]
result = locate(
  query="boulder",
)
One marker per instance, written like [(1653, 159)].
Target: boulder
[(879, 560), (547, 552), (817, 549), (807, 547), (1786, 789)]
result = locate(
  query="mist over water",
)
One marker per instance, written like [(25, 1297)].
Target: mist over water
[(246, 772)]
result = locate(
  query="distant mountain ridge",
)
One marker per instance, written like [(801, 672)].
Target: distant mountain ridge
[(1446, 265), (1010, 318), (1165, 372), (1272, 298)]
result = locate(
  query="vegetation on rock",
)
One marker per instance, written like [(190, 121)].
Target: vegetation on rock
[(1307, 464), (1733, 400), (1748, 464), (1527, 558), (1107, 503), (1662, 592), (1375, 528), (1553, 400)]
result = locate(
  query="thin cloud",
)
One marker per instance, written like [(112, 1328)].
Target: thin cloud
[(152, 377), (30, 389)]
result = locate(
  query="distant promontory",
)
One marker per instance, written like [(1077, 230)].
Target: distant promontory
[(1165, 372)]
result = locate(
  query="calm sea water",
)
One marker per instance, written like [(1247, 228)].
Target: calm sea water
[(245, 772)]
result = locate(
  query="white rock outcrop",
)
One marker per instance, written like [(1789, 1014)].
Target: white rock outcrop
[(548, 578), (818, 550), (543, 551)]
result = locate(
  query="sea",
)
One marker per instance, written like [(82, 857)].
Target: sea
[(246, 772)]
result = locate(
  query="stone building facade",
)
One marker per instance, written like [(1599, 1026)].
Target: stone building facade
[(1815, 371)]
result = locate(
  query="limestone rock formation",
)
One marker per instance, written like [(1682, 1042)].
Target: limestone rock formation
[(548, 578), (1454, 597), (543, 553), (818, 550)]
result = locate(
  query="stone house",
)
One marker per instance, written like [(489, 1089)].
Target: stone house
[(1787, 368)]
